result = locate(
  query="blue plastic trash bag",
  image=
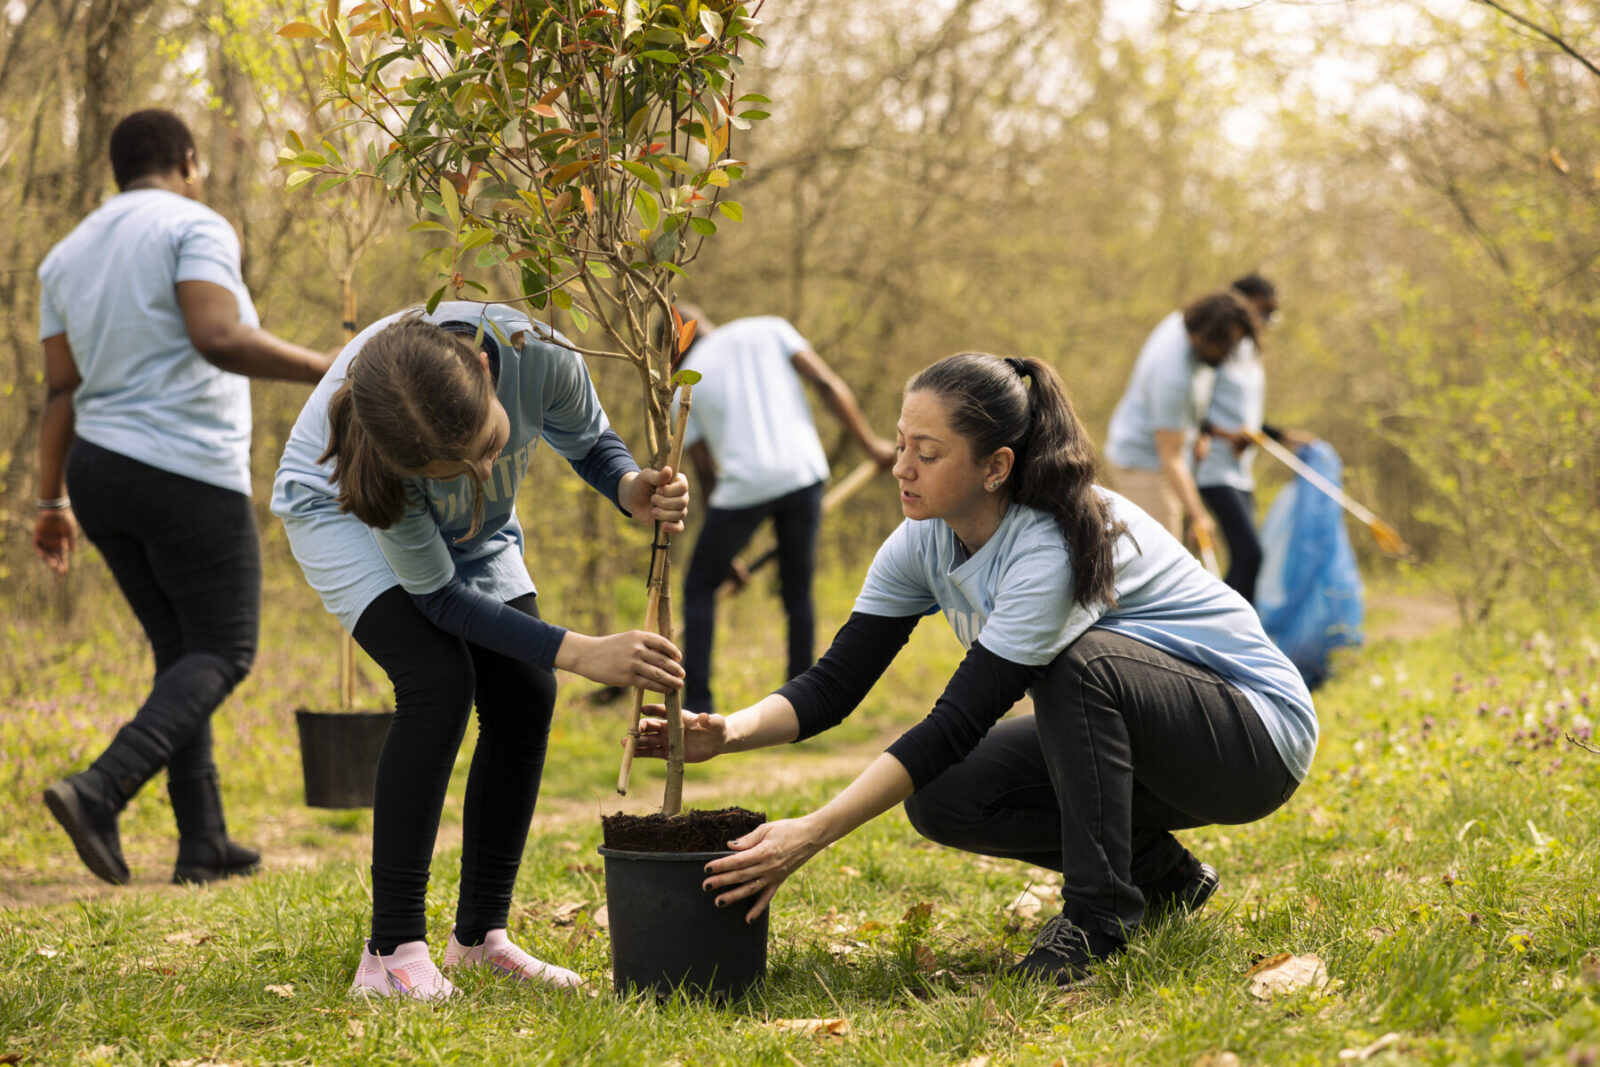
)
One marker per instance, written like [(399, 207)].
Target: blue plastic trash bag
[(1309, 592)]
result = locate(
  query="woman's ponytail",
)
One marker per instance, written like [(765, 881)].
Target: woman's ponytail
[(1057, 475), (1022, 405)]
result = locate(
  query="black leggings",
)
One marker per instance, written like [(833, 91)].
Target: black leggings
[(795, 517), (1235, 510), (1126, 744), (187, 557), (437, 678)]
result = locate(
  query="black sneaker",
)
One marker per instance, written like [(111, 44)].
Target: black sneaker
[(1065, 953), (1186, 888)]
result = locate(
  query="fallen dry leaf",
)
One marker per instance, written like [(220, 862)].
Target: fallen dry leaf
[(1026, 906), (286, 990), (923, 957), (356, 1028), (848, 871), (11, 1057), (1286, 973), (602, 917), (566, 914), (188, 937), (1363, 1054), (1217, 1059), (46, 951), (840, 951), (976, 1061), (834, 1030)]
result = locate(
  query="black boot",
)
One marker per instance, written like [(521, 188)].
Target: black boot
[(205, 854), (87, 804), (83, 806)]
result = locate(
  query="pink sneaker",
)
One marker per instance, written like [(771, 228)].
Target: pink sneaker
[(507, 960), (408, 971)]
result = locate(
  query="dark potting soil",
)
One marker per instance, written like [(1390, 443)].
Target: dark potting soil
[(691, 831)]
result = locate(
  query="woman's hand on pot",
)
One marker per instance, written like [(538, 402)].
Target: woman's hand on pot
[(762, 860), (703, 735), (634, 658)]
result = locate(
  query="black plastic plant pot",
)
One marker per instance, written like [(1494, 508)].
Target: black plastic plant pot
[(339, 755), (667, 932)]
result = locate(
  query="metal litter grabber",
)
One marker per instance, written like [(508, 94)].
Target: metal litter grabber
[(1388, 538)]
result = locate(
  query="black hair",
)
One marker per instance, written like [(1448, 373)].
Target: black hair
[(992, 405), (149, 142), (1214, 318), (1255, 287)]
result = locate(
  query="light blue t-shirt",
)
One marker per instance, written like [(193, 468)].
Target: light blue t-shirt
[(1016, 591), (1168, 390), (1238, 401), (546, 391), (111, 287), (750, 409)]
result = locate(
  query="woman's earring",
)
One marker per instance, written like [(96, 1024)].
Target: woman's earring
[(994, 486)]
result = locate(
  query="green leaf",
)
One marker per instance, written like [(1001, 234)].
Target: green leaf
[(663, 248), (477, 238), (562, 299), (732, 209), (297, 179), (643, 173), (702, 226), (753, 98), (711, 21), (599, 270), (755, 116), (649, 208), (433, 301), (428, 226), (686, 377), (492, 256), (450, 201), (579, 319), (660, 56)]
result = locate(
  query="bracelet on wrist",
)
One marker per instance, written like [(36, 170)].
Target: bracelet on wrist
[(57, 503)]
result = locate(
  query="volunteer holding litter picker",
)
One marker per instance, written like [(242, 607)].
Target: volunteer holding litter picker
[(398, 489), (1160, 702)]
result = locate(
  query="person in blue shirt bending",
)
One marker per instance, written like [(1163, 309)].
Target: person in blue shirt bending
[(150, 339), (398, 490), (1160, 704)]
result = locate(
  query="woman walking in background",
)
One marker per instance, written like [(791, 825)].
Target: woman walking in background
[(150, 338), (1159, 702), (398, 490)]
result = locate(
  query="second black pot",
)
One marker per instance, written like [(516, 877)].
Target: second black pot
[(339, 754), (667, 932)]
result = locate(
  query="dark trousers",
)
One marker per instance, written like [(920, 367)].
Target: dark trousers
[(1126, 745), (187, 557), (795, 517), (1235, 510), (437, 678)]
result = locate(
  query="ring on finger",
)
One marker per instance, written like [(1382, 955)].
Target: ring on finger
[(760, 885)]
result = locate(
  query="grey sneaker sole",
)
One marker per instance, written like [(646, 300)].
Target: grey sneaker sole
[(63, 802)]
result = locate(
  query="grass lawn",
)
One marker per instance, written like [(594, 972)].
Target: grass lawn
[(1441, 861)]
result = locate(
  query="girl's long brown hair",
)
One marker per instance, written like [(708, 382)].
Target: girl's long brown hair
[(992, 406), (414, 395)]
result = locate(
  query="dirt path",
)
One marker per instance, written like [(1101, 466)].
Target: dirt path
[(1405, 617)]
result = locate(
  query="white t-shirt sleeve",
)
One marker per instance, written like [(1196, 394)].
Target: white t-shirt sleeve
[(789, 338), (416, 552), (1034, 616), (208, 251), (573, 417), (51, 321), (1168, 393), (895, 585)]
